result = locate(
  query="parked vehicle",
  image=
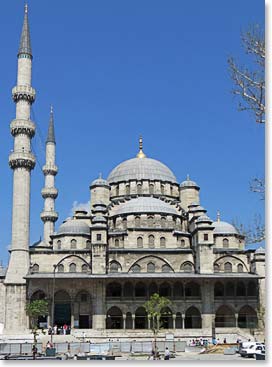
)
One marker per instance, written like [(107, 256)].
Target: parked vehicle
[(260, 352), (249, 349)]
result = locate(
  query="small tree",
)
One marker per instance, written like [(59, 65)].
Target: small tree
[(154, 308), (34, 310)]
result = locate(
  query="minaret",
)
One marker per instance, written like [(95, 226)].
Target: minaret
[(49, 192), (22, 161)]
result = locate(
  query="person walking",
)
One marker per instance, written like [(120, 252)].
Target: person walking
[(166, 354), (34, 351)]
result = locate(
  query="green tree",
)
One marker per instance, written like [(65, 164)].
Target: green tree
[(34, 310), (155, 308)]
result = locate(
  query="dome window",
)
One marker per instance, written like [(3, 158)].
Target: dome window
[(150, 267), (151, 189), (228, 267), (137, 222), (225, 243), (150, 221), (127, 190), (162, 189), (73, 244), (163, 222), (59, 244), (72, 268), (151, 241), (139, 242), (116, 243), (117, 190), (162, 242), (60, 268), (124, 223), (139, 189)]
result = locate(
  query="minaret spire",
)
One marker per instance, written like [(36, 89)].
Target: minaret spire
[(49, 192), (25, 44), (141, 153)]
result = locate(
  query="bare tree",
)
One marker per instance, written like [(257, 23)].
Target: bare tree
[(249, 82), (258, 185), (254, 233)]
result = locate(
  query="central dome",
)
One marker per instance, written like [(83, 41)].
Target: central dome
[(141, 169)]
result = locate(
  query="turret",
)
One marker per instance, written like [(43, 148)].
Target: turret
[(49, 192), (189, 193), (100, 192), (21, 161)]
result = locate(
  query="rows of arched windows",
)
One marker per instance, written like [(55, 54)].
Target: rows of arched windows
[(73, 268), (151, 241), (239, 289), (139, 189), (73, 244), (225, 317), (150, 222), (151, 267), (228, 268)]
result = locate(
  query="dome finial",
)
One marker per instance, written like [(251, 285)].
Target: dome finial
[(141, 153), (26, 8), (100, 175), (188, 177), (218, 216)]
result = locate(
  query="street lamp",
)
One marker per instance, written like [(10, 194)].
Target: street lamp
[(53, 302)]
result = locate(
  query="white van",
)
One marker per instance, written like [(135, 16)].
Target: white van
[(248, 349)]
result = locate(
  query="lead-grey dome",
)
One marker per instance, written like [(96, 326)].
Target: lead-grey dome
[(141, 169), (74, 226), (144, 205), (224, 228)]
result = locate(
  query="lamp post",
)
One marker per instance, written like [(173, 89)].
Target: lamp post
[(53, 302)]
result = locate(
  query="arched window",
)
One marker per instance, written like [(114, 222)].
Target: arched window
[(178, 290), (240, 268), (136, 268), (84, 268), (60, 268), (139, 189), (162, 242), (72, 268), (165, 290), (252, 289), (150, 221), (187, 267), (151, 189), (224, 317), (192, 289), (117, 190), (163, 222), (139, 242), (171, 190), (150, 267), (225, 243), (124, 221), (116, 243), (192, 318), (113, 290), (128, 290), (141, 318), (228, 267), (114, 318), (230, 289), (35, 268), (151, 241), (166, 318), (73, 244), (216, 268), (140, 290), (127, 190), (166, 268), (88, 244), (115, 267), (59, 244), (137, 222), (162, 189), (153, 288), (247, 318)]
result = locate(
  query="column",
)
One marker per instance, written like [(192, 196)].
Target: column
[(183, 321), (124, 321), (236, 320), (148, 321), (133, 321), (174, 321)]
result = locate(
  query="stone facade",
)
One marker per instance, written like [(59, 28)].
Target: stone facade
[(144, 233)]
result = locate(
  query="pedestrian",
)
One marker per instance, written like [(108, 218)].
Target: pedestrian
[(166, 354), (49, 330), (48, 345), (55, 329), (65, 327), (225, 341), (34, 351)]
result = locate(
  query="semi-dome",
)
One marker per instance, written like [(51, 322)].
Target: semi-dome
[(224, 228), (141, 169), (74, 226), (144, 205)]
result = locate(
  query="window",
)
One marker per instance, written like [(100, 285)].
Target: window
[(59, 244), (84, 268), (137, 221), (151, 241), (115, 267), (88, 244), (150, 221), (139, 242), (116, 243), (162, 189), (206, 237), (60, 268), (127, 190), (73, 244), (139, 189), (162, 242), (98, 237), (216, 268), (171, 190), (182, 243), (240, 268), (136, 268), (166, 268), (163, 222), (83, 297), (150, 268), (228, 267), (35, 268), (117, 190), (225, 243), (151, 189), (187, 267), (72, 268), (124, 221)]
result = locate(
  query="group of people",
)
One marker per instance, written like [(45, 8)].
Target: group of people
[(62, 330), (156, 355), (198, 342)]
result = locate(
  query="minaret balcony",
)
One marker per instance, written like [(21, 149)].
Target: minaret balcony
[(23, 92), (20, 126), (49, 192), (49, 216), (50, 169), (22, 160)]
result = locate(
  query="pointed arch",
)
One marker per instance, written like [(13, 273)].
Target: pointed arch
[(193, 318), (247, 318), (224, 317)]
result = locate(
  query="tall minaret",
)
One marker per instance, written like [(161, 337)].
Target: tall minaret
[(49, 192), (22, 161)]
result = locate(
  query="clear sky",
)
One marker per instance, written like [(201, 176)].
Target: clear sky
[(116, 69)]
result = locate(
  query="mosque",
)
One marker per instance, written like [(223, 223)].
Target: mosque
[(144, 233)]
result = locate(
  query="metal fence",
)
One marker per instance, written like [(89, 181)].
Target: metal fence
[(144, 347)]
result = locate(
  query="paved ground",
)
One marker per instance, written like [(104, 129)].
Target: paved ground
[(196, 356)]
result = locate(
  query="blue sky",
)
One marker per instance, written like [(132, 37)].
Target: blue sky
[(116, 69)]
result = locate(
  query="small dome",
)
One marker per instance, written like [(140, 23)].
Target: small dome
[(99, 219), (224, 228), (144, 205), (203, 218), (141, 169), (189, 183), (100, 182), (197, 208), (74, 226)]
